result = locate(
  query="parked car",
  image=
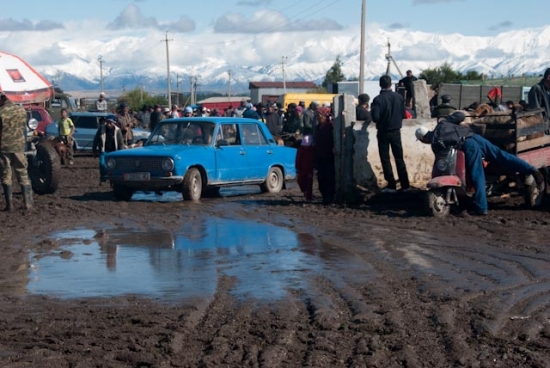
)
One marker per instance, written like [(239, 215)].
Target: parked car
[(41, 115), (198, 155), (86, 125)]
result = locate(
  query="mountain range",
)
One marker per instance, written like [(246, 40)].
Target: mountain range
[(511, 53)]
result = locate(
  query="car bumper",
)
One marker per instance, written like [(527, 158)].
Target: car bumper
[(153, 183)]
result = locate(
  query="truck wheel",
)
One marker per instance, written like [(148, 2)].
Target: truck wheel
[(44, 169), (122, 192), (274, 181), (437, 204), (192, 185)]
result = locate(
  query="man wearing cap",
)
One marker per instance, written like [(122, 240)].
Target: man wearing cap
[(444, 108), (449, 131), (101, 103), (126, 123), (12, 146), (188, 112)]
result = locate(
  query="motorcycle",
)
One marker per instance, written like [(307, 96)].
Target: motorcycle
[(450, 187)]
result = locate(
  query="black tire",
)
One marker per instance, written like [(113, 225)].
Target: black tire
[(192, 185), (44, 169), (437, 205), (274, 181), (122, 192)]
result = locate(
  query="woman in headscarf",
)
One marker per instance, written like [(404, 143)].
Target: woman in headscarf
[(324, 154)]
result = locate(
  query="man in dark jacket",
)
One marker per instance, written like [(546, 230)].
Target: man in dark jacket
[(444, 108), (388, 112), (273, 120), (449, 132), (539, 94), (409, 88)]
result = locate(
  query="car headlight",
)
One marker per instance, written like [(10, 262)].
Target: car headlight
[(32, 124), (110, 163), (167, 164), (442, 165)]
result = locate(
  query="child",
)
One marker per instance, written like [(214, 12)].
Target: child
[(304, 167)]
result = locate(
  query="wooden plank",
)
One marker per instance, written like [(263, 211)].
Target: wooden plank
[(534, 143)]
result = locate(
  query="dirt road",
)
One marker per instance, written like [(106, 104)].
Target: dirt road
[(393, 288)]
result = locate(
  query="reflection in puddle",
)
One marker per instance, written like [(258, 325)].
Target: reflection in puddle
[(233, 191), (265, 261)]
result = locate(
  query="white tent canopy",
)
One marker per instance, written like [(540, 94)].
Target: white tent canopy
[(21, 83)]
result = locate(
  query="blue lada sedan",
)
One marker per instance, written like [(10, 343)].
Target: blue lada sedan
[(199, 155)]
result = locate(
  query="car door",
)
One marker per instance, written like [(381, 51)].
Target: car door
[(259, 152), (231, 156), (85, 128)]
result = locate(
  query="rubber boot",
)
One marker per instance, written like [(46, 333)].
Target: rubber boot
[(8, 196), (27, 196)]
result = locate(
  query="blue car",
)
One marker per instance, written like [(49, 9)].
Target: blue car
[(199, 155)]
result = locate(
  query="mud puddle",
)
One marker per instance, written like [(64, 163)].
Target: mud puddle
[(149, 196), (265, 261)]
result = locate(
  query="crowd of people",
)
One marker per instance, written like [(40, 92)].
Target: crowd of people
[(309, 129)]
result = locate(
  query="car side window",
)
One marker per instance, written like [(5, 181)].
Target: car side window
[(252, 135), (230, 132), (85, 122)]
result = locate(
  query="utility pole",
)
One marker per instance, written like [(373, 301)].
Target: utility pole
[(284, 77), (166, 40), (229, 85), (100, 59), (362, 57)]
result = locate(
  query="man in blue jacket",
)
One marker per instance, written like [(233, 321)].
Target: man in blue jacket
[(388, 112)]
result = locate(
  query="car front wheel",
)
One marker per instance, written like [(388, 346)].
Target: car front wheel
[(274, 181), (192, 185)]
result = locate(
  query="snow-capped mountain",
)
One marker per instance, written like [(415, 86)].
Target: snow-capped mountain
[(307, 58)]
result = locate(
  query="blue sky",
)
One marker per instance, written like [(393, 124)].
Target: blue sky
[(468, 17)]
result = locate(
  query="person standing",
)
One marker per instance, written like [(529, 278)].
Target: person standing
[(408, 83), (65, 130), (305, 164), (323, 144), (310, 118), (108, 138), (444, 108), (156, 117), (12, 146), (273, 120), (127, 122), (388, 112), (539, 94), (101, 103)]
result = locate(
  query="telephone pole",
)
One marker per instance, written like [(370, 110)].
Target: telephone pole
[(362, 54), (229, 85), (284, 76), (100, 59), (166, 40)]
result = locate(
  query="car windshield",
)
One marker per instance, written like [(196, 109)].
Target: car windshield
[(182, 132)]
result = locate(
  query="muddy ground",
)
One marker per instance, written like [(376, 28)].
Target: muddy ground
[(418, 292)]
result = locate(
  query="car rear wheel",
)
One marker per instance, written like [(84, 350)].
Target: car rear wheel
[(122, 192), (274, 181), (192, 185)]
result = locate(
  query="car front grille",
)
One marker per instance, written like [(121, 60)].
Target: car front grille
[(139, 164)]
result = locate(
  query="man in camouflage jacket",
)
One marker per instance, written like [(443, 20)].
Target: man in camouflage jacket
[(12, 150)]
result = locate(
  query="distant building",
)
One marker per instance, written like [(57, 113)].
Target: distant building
[(270, 91), (222, 103)]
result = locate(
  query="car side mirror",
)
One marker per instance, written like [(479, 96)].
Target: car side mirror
[(222, 142)]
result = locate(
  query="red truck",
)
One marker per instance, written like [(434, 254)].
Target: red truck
[(41, 115)]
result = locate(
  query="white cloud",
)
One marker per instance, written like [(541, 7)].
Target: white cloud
[(133, 18), (12, 25), (268, 21)]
